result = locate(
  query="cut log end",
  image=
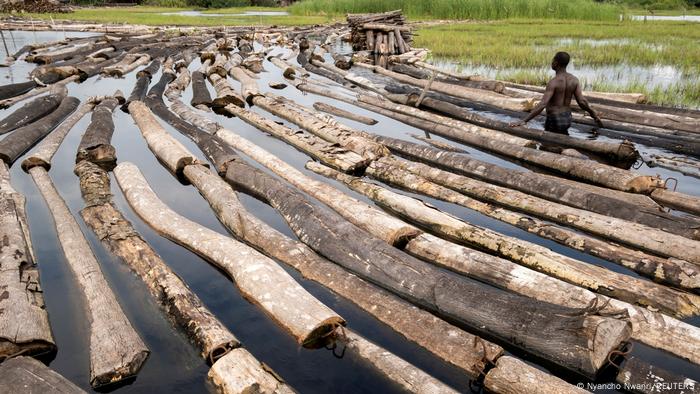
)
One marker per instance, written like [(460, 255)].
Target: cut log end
[(318, 336), (127, 371), (607, 336), (31, 162)]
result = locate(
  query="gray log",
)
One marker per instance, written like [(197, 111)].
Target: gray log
[(31, 112), (28, 376)]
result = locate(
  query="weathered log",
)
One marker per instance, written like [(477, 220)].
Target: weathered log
[(239, 372), (588, 170), (116, 350), (22, 139), (327, 108), (439, 144), (458, 79), (478, 95), (128, 64), (35, 92), (225, 94), (95, 144), (512, 376), (150, 70), (200, 93), (638, 377), (258, 277), (27, 375), (623, 151), (138, 93), (685, 167), (16, 89), (32, 111), (636, 291), (424, 284), (676, 200), (550, 188), (179, 84), (24, 323)]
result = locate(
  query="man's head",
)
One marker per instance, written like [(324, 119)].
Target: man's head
[(560, 61)]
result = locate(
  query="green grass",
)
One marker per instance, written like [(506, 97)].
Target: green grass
[(466, 9), (146, 15)]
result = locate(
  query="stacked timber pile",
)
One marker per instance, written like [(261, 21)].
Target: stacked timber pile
[(35, 6), (382, 34)]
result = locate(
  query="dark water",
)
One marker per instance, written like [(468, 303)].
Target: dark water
[(174, 364)]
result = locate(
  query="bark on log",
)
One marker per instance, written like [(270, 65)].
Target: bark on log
[(512, 376), (327, 108), (636, 291), (577, 198), (239, 372), (128, 65), (35, 92), (16, 89), (22, 139), (225, 94), (27, 375), (478, 95), (439, 144), (439, 291), (624, 151), (259, 278), (176, 299), (95, 145), (116, 350), (138, 93), (676, 200), (587, 170), (638, 377), (200, 93), (32, 111), (24, 323)]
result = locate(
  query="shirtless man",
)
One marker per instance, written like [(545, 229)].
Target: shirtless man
[(557, 99)]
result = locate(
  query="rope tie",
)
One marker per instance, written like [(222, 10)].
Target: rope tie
[(621, 353), (335, 336)]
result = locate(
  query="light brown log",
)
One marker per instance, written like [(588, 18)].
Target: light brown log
[(327, 108), (180, 83), (407, 376), (259, 278), (239, 372), (512, 376), (249, 88), (127, 65), (439, 144), (24, 323), (482, 96), (27, 375), (225, 94), (116, 350), (676, 200), (623, 287), (385, 28), (171, 152)]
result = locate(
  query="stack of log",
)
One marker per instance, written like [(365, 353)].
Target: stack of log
[(383, 34)]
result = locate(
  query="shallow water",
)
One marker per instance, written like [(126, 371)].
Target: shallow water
[(175, 365), (684, 18), (245, 13)]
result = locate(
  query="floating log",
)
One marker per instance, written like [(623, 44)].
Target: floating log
[(116, 350), (24, 326), (200, 93), (636, 291), (685, 167), (459, 79), (32, 111), (551, 188), (16, 89), (327, 108), (239, 372), (624, 151), (95, 144), (128, 64), (225, 94), (424, 284), (22, 139), (478, 95), (641, 378), (512, 376), (27, 375), (439, 144), (35, 92), (259, 278), (676, 200)]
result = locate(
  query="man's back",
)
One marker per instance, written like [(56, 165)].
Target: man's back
[(563, 86)]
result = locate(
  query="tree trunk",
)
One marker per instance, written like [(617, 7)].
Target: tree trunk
[(259, 278), (200, 93), (512, 376), (22, 139), (116, 350), (676, 200), (95, 144), (638, 377), (15, 89), (27, 375), (24, 324), (37, 91), (327, 108), (239, 372), (32, 111)]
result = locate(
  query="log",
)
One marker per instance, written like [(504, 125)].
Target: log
[(439, 144), (512, 376), (16, 89), (119, 70), (24, 324), (239, 372), (32, 111), (477, 95), (587, 170), (138, 93), (469, 81), (550, 188), (258, 277), (35, 92), (27, 375), (116, 350), (225, 94), (22, 139), (638, 377), (95, 144), (327, 108), (447, 226), (623, 152), (676, 200), (385, 28), (439, 291), (442, 339)]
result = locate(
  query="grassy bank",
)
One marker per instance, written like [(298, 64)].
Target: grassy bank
[(145, 15), (466, 9), (620, 56)]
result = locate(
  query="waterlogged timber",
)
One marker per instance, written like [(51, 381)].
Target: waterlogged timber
[(250, 67), (25, 374)]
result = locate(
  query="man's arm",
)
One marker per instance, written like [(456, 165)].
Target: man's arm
[(583, 104), (548, 93)]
